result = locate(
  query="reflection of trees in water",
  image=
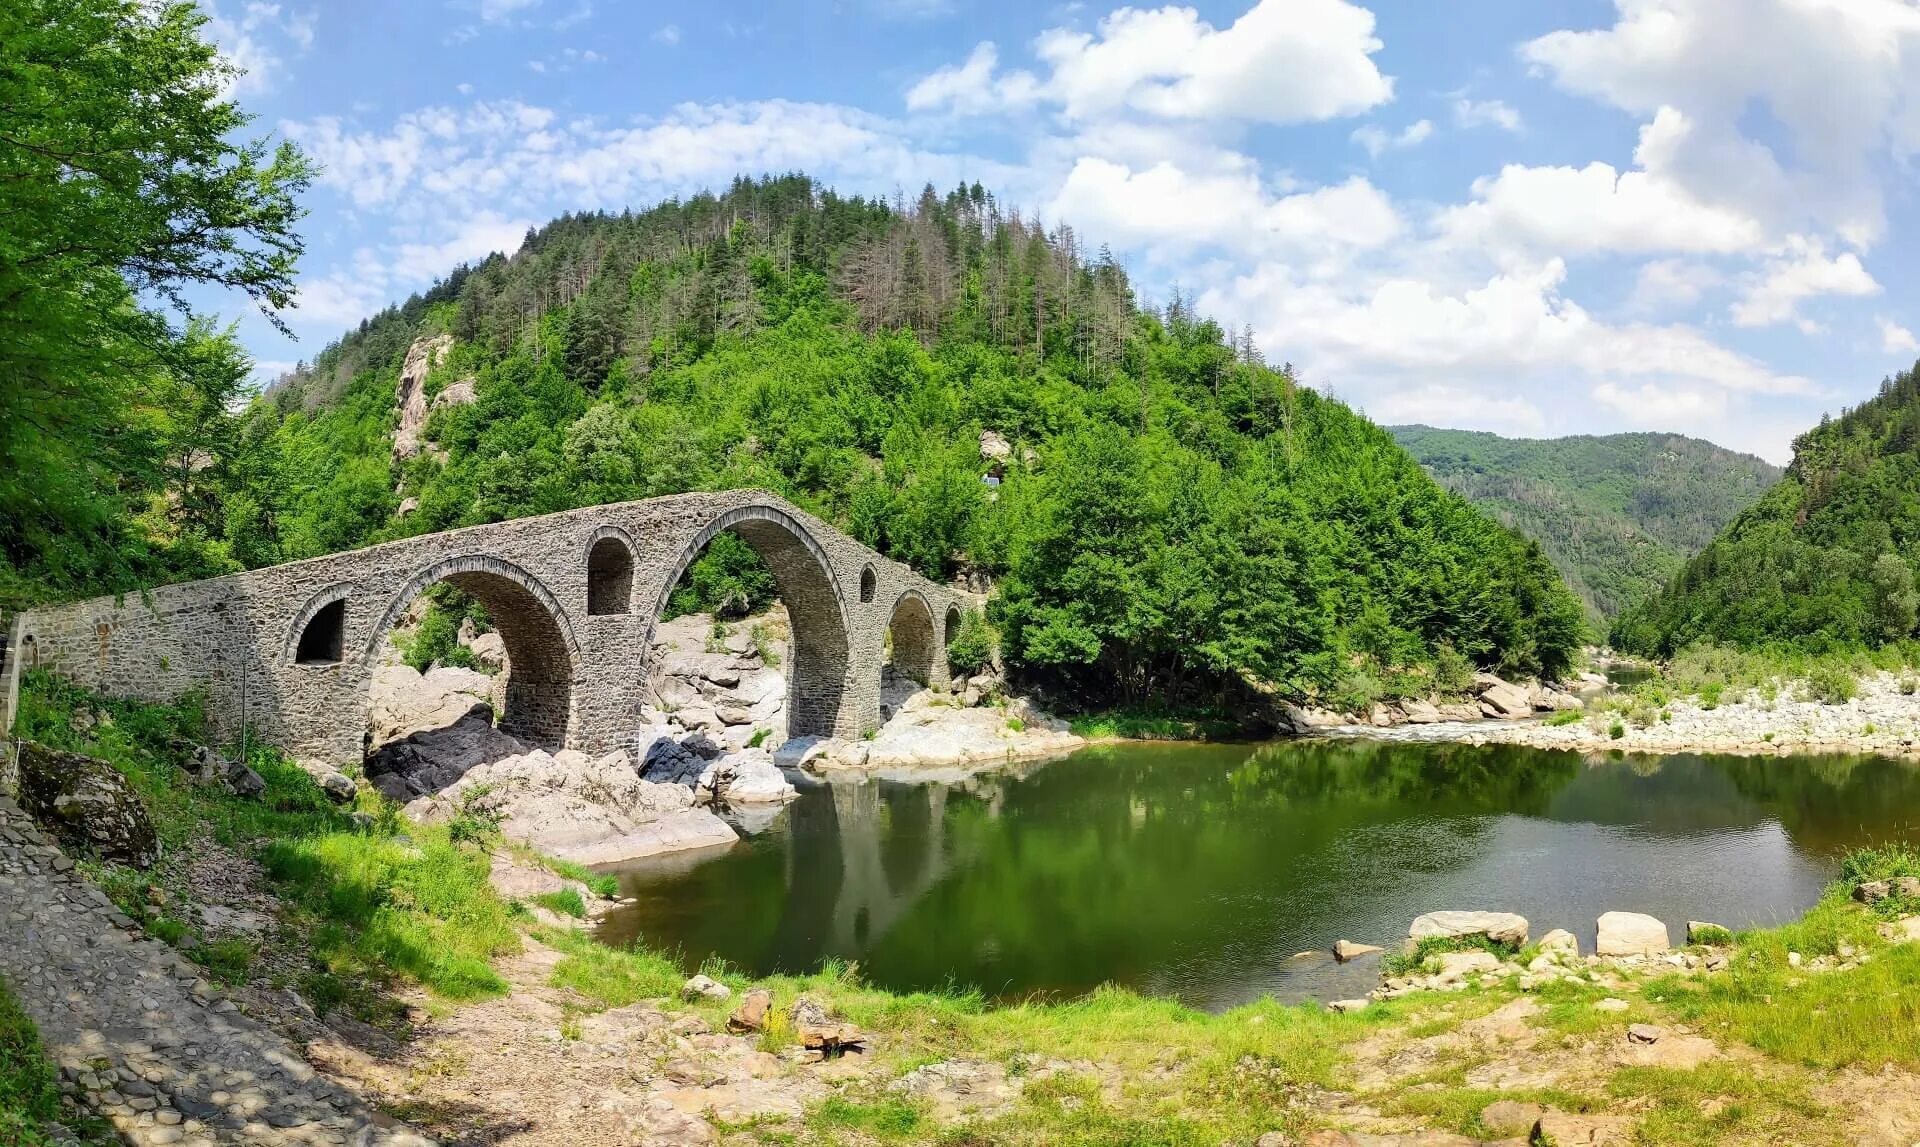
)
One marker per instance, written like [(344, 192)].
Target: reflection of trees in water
[(1831, 803), (1125, 863)]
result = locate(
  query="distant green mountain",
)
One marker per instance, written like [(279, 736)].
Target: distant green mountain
[(1619, 514), (1824, 560)]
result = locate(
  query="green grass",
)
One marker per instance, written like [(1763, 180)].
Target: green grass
[(226, 961), (369, 905), (1565, 717), (1722, 1102), (566, 902), (30, 1087), (1428, 947)]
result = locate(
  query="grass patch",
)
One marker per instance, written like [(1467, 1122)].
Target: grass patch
[(30, 1086), (1565, 717), (367, 905), (611, 977), (226, 961), (887, 1118), (1722, 1103), (1429, 947), (566, 902)]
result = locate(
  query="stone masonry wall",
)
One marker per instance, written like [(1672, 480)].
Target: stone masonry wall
[(577, 678)]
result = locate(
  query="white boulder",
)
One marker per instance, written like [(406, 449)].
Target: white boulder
[(1500, 927), (1630, 934)]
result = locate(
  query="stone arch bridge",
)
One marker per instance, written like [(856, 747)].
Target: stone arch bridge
[(575, 597)]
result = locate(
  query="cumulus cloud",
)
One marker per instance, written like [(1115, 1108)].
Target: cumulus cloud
[(1283, 61), (1896, 339), (1840, 77), (1442, 405), (1594, 208), (256, 38), (1663, 284), (1802, 271), (1517, 325), (1165, 204), (1378, 140)]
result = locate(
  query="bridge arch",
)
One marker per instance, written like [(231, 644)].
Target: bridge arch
[(818, 699), (910, 626), (317, 635), (609, 561), (542, 652)]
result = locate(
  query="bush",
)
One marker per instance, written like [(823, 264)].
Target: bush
[(1832, 683), (974, 647)]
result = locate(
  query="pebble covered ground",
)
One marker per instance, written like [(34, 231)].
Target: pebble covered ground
[(139, 1036)]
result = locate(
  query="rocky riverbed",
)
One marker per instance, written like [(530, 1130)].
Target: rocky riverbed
[(1882, 718)]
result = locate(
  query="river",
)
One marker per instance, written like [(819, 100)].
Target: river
[(1202, 871)]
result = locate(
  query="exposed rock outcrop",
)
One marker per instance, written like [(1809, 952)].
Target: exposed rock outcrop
[(430, 761), (1500, 927), (410, 392), (726, 685), (565, 804), (405, 702), (1629, 934), (87, 803)]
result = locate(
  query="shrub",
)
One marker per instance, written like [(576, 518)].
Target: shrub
[(974, 647), (1616, 730), (1832, 683)]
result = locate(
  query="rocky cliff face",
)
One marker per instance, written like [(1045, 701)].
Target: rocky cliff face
[(410, 393)]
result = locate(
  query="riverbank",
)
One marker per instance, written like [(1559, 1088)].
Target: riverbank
[(1882, 716), (427, 972)]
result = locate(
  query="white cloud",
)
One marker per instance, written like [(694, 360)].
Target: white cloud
[(668, 34), (1801, 271), (473, 239), (1594, 209), (972, 88), (1651, 405), (258, 40), (1377, 140), (1896, 339), (1664, 284), (1165, 204), (1282, 61), (1516, 326), (1485, 113), (501, 11), (1436, 404), (518, 158), (1838, 77)]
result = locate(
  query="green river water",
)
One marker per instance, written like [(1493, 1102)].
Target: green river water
[(1200, 871)]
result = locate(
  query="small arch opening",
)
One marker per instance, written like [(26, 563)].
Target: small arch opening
[(910, 642), (952, 628), (324, 638), (609, 577), (867, 584)]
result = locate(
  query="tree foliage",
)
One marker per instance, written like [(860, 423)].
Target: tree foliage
[(120, 187), (1619, 514), (1824, 561)]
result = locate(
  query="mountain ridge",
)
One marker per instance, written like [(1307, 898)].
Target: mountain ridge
[(1618, 513)]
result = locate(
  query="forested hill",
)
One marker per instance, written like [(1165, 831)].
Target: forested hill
[(1618, 513), (1170, 517), (1824, 560)]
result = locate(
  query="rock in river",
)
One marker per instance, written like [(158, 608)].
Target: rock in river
[(1629, 934), (1500, 927)]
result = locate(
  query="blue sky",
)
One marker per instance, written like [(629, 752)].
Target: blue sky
[(1535, 218)]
